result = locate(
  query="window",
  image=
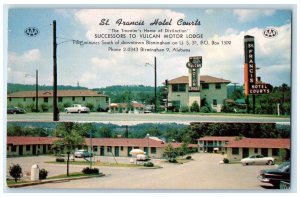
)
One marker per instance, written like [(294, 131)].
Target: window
[(33, 98), (235, 151), (121, 148), (256, 150), (218, 86), (108, 149), (9, 98), (13, 148), (45, 99), (60, 99), (24, 99), (27, 147), (178, 87), (275, 152), (95, 148), (153, 150), (83, 98), (73, 98), (215, 102), (205, 86)]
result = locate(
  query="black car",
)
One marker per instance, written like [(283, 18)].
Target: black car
[(277, 175), (15, 110)]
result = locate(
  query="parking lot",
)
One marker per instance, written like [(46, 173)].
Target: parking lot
[(204, 172)]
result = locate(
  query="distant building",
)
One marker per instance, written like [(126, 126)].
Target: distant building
[(212, 90), (269, 147), (119, 147), (214, 143), (134, 107), (27, 99)]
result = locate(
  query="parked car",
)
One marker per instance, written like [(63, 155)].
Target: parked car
[(77, 108), (15, 110), (258, 160), (82, 154), (277, 175)]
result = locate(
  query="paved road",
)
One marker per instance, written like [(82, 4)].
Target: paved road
[(204, 173), (108, 117)]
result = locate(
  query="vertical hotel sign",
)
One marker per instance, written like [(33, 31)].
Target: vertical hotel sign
[(251, 85), (194, 64), (249, 66)]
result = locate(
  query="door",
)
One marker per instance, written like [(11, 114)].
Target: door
[(44, 149), (102, 151), (34, 149), (146, 150), (117, 151), (245, 152), (264, 152), (128, 151), (20, 150)]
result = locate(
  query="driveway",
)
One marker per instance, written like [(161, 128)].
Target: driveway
[(204, 172)]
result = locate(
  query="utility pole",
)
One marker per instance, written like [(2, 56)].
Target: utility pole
[(167, 94), (36, 91), (155, 86), (55, 109)]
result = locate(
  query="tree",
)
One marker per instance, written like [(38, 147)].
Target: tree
[(104, 132), (183, 149), (69, 138), (15, 171), (170, 152)]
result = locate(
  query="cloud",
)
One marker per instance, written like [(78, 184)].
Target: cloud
[(246, 15), (28, 56)]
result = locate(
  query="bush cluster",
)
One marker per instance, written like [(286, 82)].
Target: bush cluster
[(88, 170), (225, 160), (43, 174), (15, 171), (173, 160), (188, 157), (59, 159), (148, 164)]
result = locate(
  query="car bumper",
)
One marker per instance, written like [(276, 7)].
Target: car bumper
[(262, 179)]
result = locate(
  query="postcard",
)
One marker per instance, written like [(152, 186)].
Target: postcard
[(191, 97)]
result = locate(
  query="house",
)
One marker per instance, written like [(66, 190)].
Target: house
[(214, 143), (134, 107), (269, 147), (27, 99), (119, 147), (212, 90)]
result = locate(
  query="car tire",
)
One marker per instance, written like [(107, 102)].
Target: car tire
[(270, 162), (79, 111)]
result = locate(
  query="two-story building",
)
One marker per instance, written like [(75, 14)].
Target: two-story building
[(214, 143), (212, 89), (27, 99)]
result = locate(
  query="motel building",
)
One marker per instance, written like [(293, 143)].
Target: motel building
[(118, 147), (212, 89), (27, 99), (132, 107), (237, 148)]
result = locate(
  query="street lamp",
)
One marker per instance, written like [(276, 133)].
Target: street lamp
[(36, 89), (155, 85), (148, 135)]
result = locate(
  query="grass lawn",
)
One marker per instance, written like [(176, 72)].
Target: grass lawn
[(228, 114), (179, 161), (71, 175), (12, 182)]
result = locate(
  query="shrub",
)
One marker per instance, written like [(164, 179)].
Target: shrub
[(173, 161), (43, 174), (88, 170), (90, 106), (59, 159), (188, 157), (184, 109), (225, 160), (44, 107), (15, 171), (148, 164), (30, 107), (194, 107), (204, 109)]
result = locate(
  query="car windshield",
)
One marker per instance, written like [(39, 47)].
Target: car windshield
[(283, 166)]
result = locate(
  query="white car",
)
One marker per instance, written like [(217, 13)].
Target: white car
[(258, 160), (77, 108), (82, 154)]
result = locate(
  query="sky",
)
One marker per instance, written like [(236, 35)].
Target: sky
[(93, 66)]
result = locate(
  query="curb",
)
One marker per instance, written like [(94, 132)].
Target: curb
[(52, 181)]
